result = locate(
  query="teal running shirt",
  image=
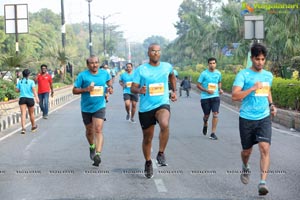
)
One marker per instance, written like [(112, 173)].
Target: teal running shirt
[(92, 101), (210, 80), (255, 106), (155, 78), (127, 81)]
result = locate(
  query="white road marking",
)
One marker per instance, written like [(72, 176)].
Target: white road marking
[(160, 186)]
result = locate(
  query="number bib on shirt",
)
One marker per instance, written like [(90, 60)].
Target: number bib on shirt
[(128, 84), (212, 86), (264, 91), (97, 92), (156, 89)]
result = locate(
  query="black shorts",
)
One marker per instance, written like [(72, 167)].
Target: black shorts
[(131, 97), (87, 117), (148, 118), (255, 131), (210, 105), (28, 101)]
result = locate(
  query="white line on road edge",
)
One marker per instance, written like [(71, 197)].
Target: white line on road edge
[(160, 186), (276, 129), (37, 119)]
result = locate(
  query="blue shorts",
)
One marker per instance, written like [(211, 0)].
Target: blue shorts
[(88, 117), (255, 131), (210, 105), (148, 119)]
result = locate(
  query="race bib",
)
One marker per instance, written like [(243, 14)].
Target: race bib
[(128, 84), (156, 89), (212, 86), (264, 91), (97, 92)]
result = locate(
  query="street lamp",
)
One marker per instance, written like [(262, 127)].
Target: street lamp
[(90, 29), (63, 26), (104, 40)]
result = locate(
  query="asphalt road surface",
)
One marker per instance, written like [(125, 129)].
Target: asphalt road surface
[(54, 162)]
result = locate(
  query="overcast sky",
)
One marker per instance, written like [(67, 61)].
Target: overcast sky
[(138, 19)]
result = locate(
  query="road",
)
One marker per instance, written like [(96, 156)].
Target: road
[(54, 162)]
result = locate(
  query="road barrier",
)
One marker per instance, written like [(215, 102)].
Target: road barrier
[(10, 113)]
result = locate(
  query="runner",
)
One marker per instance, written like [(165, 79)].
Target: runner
[(129, 98), (252, 86), (151, 82), (209, 82), (91, 85)]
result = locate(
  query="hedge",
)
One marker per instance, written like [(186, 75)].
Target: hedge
[(285, 92)]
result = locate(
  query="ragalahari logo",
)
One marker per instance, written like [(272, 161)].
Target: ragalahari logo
[(247, 8), (271, 8)]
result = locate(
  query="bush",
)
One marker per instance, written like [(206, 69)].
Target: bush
[(8, 90)]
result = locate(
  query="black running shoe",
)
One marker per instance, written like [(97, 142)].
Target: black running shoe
[(148, 169), (204, 131), (213, 136), (92, 153), (161, 159), (262, 189), (97, 160)]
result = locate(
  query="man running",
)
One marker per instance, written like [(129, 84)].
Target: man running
[(91, 85), (151, 82), (209, 82), (252, 86), (129, 98)]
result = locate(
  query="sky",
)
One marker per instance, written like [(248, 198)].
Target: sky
[(138, 19)]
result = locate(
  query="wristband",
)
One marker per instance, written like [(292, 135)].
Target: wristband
[(271, 104)]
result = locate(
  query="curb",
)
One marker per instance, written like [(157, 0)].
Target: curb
[(11, 114)]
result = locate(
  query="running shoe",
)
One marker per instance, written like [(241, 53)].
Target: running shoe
[(92, 153), (262, 189), (245, 175), (127, 117), (132, 120), (161, 159), (34, 128), (204, 131), (45, 117), (23, 131), (97, 160), (148, 169), (213, 136)]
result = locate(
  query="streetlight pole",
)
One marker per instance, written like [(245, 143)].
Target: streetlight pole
[(104, 30), (63, 26), (90, 29)]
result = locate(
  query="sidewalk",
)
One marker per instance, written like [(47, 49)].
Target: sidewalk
[(286, 118), (10, 111)]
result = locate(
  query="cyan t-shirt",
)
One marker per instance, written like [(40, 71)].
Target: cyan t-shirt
[(25, 87), (210, 80), (127, 78), (255, 106), (92, 101), (155, 78)]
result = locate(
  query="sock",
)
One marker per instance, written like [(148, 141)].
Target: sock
[(262, 182), (246, 166), (160, 152), (92, 146), (98, 153)]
